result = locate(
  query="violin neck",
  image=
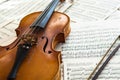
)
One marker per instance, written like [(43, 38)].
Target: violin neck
[(46, 15)]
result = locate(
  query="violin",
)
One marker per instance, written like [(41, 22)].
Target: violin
[(32, 56)]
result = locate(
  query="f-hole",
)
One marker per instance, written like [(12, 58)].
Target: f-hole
[(44, 48)]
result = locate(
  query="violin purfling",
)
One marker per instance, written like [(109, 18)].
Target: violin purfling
[(32, 56)]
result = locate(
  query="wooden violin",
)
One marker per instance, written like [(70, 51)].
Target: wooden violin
[(32, 56)]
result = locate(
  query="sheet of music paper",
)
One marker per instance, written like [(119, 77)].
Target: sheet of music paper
[(85, 46), (94, 27)]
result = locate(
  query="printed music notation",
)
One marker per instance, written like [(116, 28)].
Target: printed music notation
[(85, 46), (92, 42), (12, 11)]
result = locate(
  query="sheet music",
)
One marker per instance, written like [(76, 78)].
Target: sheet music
[(112, 70), (78, 69), (1, 1), (17, 9), (7, 33), (92, 10), (88, 43), (12, 11), (115, 16), (90, 39)]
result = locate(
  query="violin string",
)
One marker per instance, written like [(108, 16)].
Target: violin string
[(55, 2), (46, 12), (41, 17), (36, 21), (30, 31)]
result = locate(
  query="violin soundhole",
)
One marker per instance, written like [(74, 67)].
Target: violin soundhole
[(49, 52)]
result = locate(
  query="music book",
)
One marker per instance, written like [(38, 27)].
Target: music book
[(87, 42), (92, 10), (78, 10), (86, 45)]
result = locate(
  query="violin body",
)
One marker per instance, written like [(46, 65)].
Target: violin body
[(43, 61)]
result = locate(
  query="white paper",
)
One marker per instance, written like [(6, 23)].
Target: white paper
[(90, 39), (2, 1), (92, 10), (115, 16), (79, 69), (112, 70), (17, 9), (88, 42), (7, 33)]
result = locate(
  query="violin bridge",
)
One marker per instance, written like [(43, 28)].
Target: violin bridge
[(29, 39)]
